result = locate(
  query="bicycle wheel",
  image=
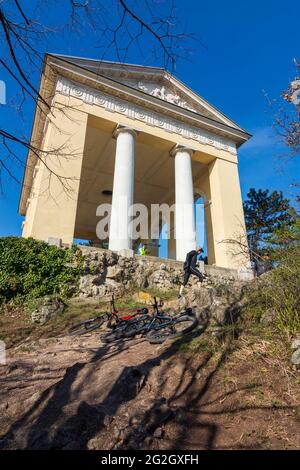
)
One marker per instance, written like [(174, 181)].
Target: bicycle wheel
[(116, 333), (112, 336), (136, 326), (86, 326), (126, 330), (178, 327)]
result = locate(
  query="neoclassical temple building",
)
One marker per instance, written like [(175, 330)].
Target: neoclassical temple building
[(114, 130)]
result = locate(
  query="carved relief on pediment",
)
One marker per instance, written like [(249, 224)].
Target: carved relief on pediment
[(161, 92)]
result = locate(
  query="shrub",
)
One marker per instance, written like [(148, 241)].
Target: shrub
[(279, 289), (30, 269)]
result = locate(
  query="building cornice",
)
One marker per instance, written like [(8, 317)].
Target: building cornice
[(84, 76), (121, 71), (135, 112)]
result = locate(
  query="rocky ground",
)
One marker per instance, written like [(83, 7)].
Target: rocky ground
[(231, 386), (197, 393)]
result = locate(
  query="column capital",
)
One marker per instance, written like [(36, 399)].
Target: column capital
[(180, 148), (119, 129)]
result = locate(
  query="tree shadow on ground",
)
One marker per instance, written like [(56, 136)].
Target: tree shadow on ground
[(47, 410), (46, 425)]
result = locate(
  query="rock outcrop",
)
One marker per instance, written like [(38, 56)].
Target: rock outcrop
[(295, 359), (106, 272), (48, 309)]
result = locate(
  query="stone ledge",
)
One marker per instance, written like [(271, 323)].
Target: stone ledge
[(211, 270)]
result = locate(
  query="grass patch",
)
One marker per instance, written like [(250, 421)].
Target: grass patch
[(127, 302), (16, 325), (205, 344), (279, 292), (166, 295)]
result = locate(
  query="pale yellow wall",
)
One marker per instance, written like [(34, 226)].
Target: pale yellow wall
[(172, 241), (224, 214), (52, 210), (32, 202), (203, 184), (172, 248)]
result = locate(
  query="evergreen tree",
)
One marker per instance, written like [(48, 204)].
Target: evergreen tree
[(265, 213)]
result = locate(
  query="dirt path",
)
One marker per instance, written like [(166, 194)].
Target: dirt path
[(78, 393)]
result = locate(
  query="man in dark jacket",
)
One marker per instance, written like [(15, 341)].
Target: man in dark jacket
[(190, 268)]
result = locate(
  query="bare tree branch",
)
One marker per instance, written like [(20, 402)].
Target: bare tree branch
[(116, 30)]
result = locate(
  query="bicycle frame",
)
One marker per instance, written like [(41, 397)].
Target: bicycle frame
[(158, 317), (113, 314)]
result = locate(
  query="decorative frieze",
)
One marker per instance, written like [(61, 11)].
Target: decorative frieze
[(162, 93), (135, 112)]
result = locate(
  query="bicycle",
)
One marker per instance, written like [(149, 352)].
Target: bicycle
[(108, 317), (157, 328), (180, 325)]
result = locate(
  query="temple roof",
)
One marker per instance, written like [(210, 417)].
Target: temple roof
[(154, 81)]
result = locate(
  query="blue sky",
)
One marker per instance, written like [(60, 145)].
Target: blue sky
[(247, 52)]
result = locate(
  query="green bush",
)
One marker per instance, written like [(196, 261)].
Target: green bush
[(285, 291), (30, 269), (279, 289)]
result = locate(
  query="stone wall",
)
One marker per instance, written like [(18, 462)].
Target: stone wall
[(106, 272)]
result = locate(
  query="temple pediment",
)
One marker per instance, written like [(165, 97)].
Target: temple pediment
[(153, 81)]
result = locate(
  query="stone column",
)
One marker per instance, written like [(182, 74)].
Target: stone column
[(122, 197), (185, 232)]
